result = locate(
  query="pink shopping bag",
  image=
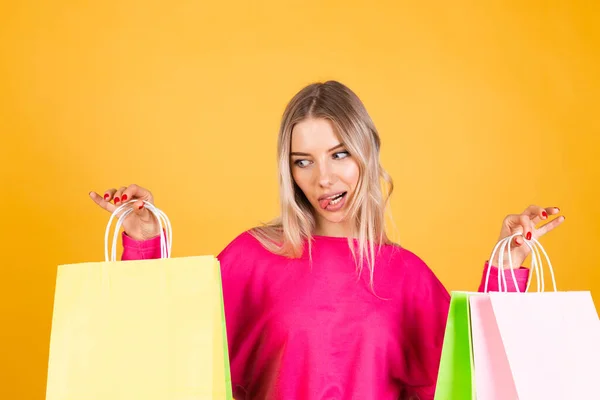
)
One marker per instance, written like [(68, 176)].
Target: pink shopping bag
[(539, 345)]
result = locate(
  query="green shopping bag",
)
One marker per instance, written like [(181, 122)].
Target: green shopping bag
[(455, 374)]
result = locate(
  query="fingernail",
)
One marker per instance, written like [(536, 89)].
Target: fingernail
[(557, 209), (106, 196), (528, 237), (124, 198), (140, 207), (544, 214), (116, 200)]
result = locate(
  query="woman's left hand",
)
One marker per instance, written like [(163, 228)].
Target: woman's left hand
[(526, 223)]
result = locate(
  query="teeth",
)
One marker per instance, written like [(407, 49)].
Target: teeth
[(336, 200)]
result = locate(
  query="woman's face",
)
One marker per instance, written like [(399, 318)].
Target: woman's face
[(325, 172)]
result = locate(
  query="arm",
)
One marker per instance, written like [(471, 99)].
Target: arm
[(521, 275), (424, 310), (426, 304), (140, 249), (239, 297)]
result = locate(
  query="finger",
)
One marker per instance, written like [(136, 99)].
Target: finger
[(117, 198), (138, 206), (109, 194), (137, 192), (101, 202), (140, 210), (545, 214), (526, 223), (514, 221), (550, 226), (552, 210), (517, 241), (537, 213)]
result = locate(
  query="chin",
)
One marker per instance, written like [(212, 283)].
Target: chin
[(334, 217), (337, 218)]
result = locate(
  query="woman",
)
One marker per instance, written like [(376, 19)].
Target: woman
[(304, 319)]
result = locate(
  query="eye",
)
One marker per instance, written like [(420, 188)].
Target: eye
[(341, 155), (302, 163)]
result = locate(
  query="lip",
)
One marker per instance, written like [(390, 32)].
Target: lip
[(330, 195)]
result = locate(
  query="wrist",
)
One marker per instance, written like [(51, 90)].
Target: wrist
[(150, 232), (505, 263), (139, 242), (142, 235)]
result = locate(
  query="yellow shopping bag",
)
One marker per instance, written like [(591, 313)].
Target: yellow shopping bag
[(148, 329)]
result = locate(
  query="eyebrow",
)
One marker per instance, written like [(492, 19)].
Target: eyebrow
[(306, 154)]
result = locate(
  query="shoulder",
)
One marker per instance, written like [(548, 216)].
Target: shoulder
[(412, 269), (411, 281), (403, 258), (243, 244), (245, 248)]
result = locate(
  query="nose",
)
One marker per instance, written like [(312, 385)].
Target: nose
[(326, 176)]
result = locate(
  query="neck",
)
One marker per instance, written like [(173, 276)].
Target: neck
[(339, 229)]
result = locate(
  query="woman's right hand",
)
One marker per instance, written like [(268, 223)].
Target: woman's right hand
[(141, 224)]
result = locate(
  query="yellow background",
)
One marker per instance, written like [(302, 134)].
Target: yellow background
[(482, 108)]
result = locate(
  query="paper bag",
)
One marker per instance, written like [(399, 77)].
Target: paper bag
[(148, 329), (455, 373), (552, 343), (525, 346), (493, 377)]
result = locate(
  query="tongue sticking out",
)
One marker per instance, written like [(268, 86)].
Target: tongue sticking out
[(324, 203)]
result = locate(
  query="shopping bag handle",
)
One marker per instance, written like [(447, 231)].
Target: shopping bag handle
[(536, 264), (123, 211)]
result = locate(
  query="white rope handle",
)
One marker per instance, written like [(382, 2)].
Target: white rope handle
[(536, 264), (124, 210)]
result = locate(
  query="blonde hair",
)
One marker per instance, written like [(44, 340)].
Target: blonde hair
[(287, 234)]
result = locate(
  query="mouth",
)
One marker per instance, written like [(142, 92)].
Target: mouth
[(333, 202)]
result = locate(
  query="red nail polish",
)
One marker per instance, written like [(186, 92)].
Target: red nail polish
[(528, 237), (140, 207), (544, 214), (106, 196), (124, 198), (116, 200)]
